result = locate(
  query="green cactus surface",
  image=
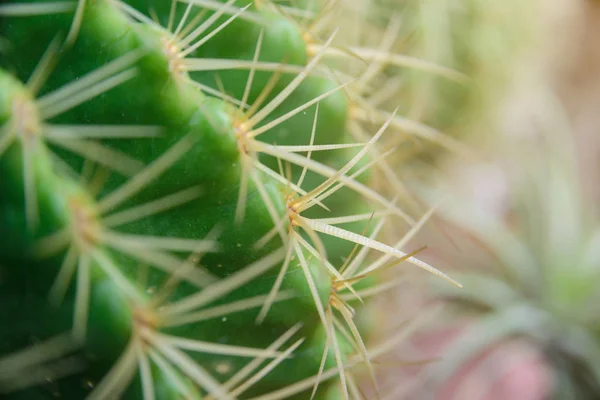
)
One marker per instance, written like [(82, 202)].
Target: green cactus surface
[(181, 199)]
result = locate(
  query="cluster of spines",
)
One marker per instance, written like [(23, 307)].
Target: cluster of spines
[(104, 244)]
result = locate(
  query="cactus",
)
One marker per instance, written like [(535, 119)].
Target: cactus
[(172, 177)]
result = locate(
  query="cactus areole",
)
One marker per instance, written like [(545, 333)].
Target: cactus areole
[(183, 212)]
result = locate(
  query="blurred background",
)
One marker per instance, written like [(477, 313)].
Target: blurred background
[(516, 218)]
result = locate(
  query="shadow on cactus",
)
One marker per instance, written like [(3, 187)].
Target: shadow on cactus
[(173, 175)]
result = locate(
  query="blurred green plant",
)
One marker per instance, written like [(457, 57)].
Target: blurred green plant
[(540, 276)]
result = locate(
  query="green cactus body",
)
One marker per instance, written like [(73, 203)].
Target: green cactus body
[(162, 206)]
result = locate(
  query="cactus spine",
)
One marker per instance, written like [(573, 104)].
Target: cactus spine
[(172, 177)]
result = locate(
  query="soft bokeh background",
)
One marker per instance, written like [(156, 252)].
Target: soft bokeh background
[(517, 224)]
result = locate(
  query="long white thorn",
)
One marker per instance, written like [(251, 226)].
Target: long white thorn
[(159, 243), (356, 174), (167, 263), (375, 67), (327, 171), (114, 383), (373, 291), (217, 64), (145, 373), (63, 279), (298, 387), (267, 369), (347, 315), (316, 254), (351, 218), (275, 289), (338, 354), (52, 244), (216, 93), (101, 131), (252, 72), (398, 60), (415, 128), (191, 266), (402, 242), (318, 147), (321, 368), (291, 113), (38, 354), (220, 311), (240, 209), (143, 178), (41, 374), (76, 24), (310, 281), (252, 365), (82, 299), (193, 370), (113, 159), (227, 285), (373, 244), (362, 254), (49, 111), (215, 348), (44, 66), (137, 16), (357, 132), (153, 207), (181, 24), (330, 268), (206, 38), (171, 19), (28, 10), (349, 165), (77, 86), (185, 42), (284, 94), (170, 373), (106, 264), (340, 328), (269, 205), (29, 183), (284, 181), (216, 5), (190, 26)]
